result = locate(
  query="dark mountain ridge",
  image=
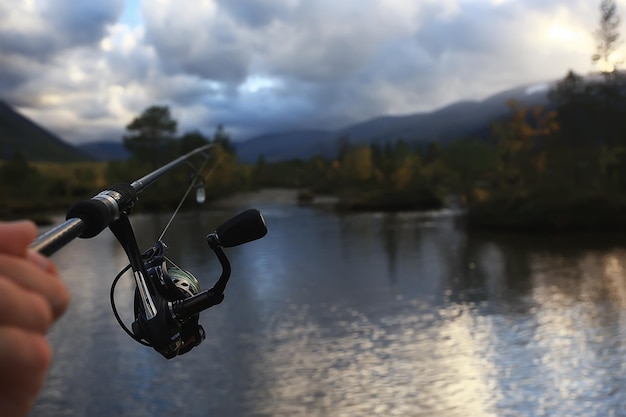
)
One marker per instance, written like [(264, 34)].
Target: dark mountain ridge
[(18, 133), (458, 120), (105, 150)]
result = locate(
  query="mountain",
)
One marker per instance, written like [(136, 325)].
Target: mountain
[(461, 119), (33, 141), (287, 145), (105, 150), (458, 120)]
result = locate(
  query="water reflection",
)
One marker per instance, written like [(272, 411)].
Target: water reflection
[(371, 314)]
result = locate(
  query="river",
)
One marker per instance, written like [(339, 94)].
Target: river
[(403, 314)]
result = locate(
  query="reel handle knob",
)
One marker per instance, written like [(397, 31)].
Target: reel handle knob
[(242, 228)]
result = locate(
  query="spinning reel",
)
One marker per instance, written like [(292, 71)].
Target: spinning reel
[(168, 299)]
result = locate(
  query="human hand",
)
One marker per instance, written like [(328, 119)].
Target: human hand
[(32, 297)]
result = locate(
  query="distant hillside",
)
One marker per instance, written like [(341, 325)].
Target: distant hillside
[(462, 119), (34, 142), (287, 145), (105, 150), (458, 120)]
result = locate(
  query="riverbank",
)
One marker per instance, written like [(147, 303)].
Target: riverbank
[(583, 213), (589, 214), (273, 196)]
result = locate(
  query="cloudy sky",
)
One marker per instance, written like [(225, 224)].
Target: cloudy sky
[(84, 69)]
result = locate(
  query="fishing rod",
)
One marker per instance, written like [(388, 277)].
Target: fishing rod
[(167, 299)]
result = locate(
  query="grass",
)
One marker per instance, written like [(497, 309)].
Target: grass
[(75, 173)]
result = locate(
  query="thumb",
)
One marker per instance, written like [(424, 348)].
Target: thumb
[(16, 236)]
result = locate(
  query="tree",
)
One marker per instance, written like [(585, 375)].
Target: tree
[(192, 140), (19, 179), (357, 164), (468, 161), (151, 135), (222, 138), (608, 36), (522, 141), (568, 91)]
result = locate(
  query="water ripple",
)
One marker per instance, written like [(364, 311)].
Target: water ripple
[(356, 316)]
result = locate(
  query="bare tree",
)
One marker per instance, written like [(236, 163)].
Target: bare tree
[(607, 36)]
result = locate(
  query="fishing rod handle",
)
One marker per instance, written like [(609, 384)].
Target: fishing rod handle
[(87, 218), (54, 239)]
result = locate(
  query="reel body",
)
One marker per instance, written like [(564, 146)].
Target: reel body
[(168, 299), (173, 284)]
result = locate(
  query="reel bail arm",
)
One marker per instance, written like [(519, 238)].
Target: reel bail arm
[(166, 319), (242, 228)]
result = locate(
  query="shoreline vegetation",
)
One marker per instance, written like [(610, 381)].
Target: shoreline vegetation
[(553, 169), (594, 213)]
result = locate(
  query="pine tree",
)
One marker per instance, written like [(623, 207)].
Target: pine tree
[(151, 135)]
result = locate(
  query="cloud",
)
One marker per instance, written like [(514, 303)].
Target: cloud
[(80, 23), (39, 30), (84, 69), (35, 36), (196, 38)]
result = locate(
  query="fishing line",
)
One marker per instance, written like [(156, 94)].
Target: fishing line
[(114, 307), (192, 185)]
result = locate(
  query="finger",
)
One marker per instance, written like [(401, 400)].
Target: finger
[(31, 277), (16, 236), (23, 308), (41, 261), (24, 361)]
